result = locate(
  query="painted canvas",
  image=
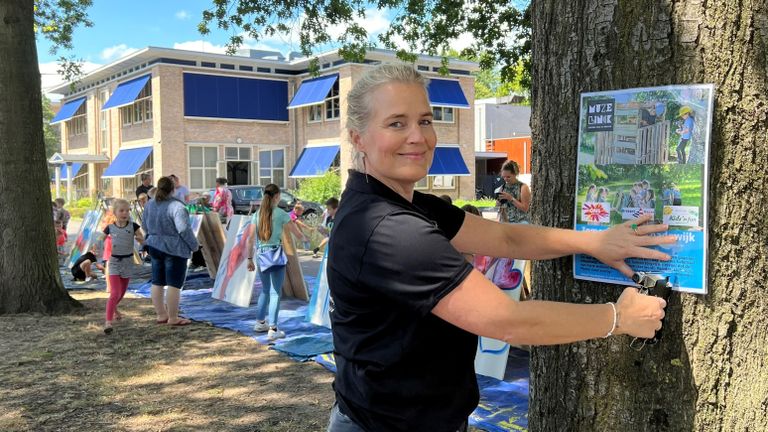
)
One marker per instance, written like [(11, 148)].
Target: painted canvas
[(85, 235), (318, 303), (507, 274), (195, 222), (234, 283)]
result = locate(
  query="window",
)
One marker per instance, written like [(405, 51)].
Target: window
[(422, 184), (442, 114), (272, 167), (237, 153), (315, 113), (78, 124), (332, 107), (130, 184), (444, 182), (141, 109), (103, 134), (202, 167)]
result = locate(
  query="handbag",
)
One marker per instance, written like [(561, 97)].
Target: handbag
[(271, 257)]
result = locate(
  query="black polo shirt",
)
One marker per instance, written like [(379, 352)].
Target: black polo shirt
[(399, 367)]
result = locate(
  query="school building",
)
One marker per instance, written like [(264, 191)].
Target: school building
[(254, 118)]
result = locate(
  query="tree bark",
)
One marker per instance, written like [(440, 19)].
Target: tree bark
[(29, 276), (709, 371)]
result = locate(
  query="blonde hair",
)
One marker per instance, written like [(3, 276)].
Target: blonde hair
[(119, 202), (359, 98)]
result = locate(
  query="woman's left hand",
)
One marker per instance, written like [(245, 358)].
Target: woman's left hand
[(620, 242)]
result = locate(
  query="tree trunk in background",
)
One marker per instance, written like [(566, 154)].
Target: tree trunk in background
[(710, 372), (29, 276)]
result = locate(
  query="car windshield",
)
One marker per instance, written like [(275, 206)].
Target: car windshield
[(249, 194)]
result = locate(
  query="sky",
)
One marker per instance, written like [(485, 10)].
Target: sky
[(119, 30)]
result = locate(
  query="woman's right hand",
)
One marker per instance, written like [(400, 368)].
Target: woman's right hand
[(639, 315), (251, 265)]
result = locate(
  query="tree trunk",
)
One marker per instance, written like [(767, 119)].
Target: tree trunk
[(709, 371), (29, 276)]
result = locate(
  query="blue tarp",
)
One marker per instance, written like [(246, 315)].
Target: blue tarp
[(503, 404)]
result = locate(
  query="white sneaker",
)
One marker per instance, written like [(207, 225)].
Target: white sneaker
[(261, 327), (275, 334)]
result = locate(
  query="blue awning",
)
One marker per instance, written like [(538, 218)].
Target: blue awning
[(126, 92), (448, 161), (314, 161), (75, 168), (127, 162), (313, 92), (68, 110), (446, 93)]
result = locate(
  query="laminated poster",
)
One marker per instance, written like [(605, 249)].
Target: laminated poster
[(644, 151)]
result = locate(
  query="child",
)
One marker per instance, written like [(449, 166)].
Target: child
[(122, 232), (61, 239), (81, 270), (325, 229), (295, 215), (63, 213)]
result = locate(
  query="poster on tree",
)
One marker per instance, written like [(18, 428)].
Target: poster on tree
[(646, 151)]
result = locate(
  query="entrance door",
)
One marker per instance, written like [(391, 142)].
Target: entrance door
[(238, 172)]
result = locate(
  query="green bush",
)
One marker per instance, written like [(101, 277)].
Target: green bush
[(477, 203), (319, 189)]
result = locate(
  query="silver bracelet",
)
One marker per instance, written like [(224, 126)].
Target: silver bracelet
[(615, 320)]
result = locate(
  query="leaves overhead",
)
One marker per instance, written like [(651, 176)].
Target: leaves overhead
[(500, 28), (56, 20)]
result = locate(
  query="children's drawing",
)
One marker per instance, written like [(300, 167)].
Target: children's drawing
[(507, 274), (234, 283), (318, 304), (85, 236)]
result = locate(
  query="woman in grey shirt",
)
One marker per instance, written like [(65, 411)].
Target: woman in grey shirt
[(170, 243)]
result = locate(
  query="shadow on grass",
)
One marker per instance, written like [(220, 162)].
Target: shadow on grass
[(63, 373)]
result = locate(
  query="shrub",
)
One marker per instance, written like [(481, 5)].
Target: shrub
[(319, 189)]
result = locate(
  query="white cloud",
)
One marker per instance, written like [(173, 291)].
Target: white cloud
[(465, 40), (116, 52), (49, 75), (182, 15)]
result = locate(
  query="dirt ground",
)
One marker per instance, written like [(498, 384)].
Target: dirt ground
[(63, 373)]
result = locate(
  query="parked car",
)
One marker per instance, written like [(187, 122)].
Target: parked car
[(246, 199)]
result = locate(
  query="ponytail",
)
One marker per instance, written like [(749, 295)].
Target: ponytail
[(165, 189), (265, 211)]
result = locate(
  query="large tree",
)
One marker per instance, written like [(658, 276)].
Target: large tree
[(709, 371), (30, 279)]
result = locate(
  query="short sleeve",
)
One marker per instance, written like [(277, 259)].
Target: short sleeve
[(282, 217), (448, 217), (106, 230), (136, 227), (409, 260)]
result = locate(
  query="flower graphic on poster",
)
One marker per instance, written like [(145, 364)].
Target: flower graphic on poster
[(596, 212)]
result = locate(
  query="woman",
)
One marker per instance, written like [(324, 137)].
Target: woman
[(514, 199), (269, 223), (170, 243), (399, 312), (222, 200)]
